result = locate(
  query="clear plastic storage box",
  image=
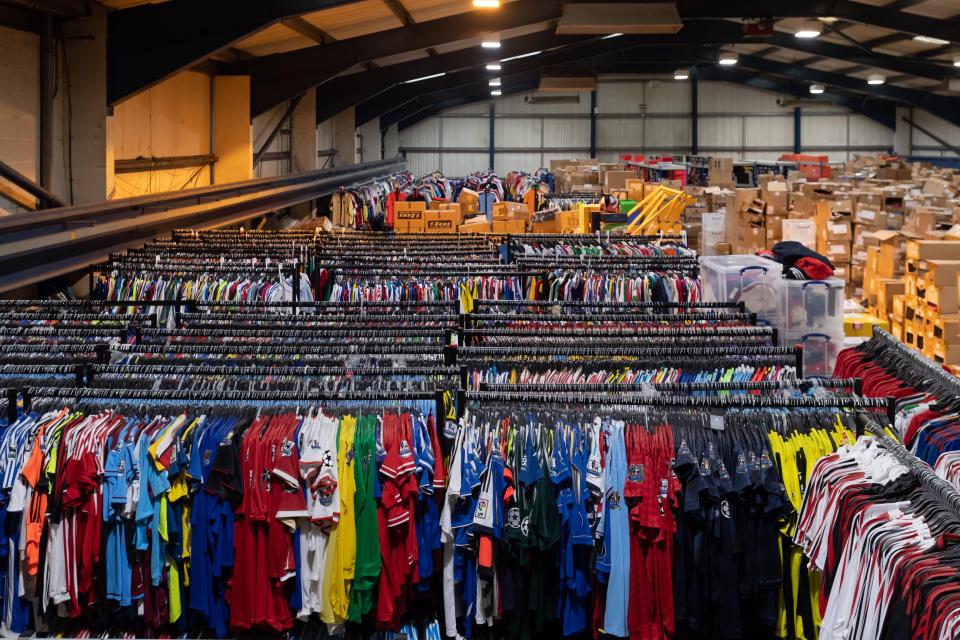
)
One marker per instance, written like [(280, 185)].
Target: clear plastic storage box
[(750, 279), (820, 350), (812, 306)]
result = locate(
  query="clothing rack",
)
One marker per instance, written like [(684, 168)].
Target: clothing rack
[(919, 362), (31, 394), (854, 384), (943, 490)]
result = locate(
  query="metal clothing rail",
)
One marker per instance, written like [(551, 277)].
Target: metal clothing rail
[(919, 362), (854, 384)]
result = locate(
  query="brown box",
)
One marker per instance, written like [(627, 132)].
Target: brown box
[(941, 273), (509, 227), (441, 221), (933, 250), (838, 252), (477, 224), (838, 231), (946, 328), (777, 195), (634, 188), (943, 298), (886, 290), (721, 173), (617, 179), (873, 254), (896, 329), (510, 211)]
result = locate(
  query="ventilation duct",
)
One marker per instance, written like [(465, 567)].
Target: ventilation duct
[(619, 17)]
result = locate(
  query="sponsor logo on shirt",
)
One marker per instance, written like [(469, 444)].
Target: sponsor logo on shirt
[(207, 456), (725, 509), (513, 518), (286, 449), (482, 505), (613, 499), (636, 473)]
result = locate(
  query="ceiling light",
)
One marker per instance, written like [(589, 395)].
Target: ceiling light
[(956, 61), (495, 82), (525, 55), (875, 78), (486, 4), (436, 75), (491, 41), (612, 35), (494, 66), (828, 19), (728, 58), (816, 88), (681, 74), (496, 92), (929, 40), (809, 29)]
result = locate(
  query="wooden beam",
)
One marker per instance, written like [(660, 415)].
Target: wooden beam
[(307, 30), (396, 8)]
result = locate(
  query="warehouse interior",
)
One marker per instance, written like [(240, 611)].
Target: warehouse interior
[(311, 312)]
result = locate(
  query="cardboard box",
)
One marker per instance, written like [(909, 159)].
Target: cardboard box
[(933, 250), (441, 221), (723, 249), (617, 179), (838, 252), (802, 231), (408, 217), (873, 254), (509, 227), (943, 298), (776, 194), (838, 231), (510, 211), (860, 325), (478, 224), (634, 188), (871, 216), (886, 290), (713, 231), (721, 173), (946, 328), (941, 273)]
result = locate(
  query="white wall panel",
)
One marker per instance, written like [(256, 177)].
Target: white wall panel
[(480, 108), (868, 132), (828, 131), (619, 97), (767, 131), (466, 132), (507, 162), (667, 132), (942, 128), (423, 163), (566, 132), (668, 96), (620, 133), (518, 132), (721, 132), (422, 134), (724, 97), (461, 164)]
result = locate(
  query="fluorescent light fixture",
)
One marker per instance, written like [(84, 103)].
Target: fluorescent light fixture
[(816, 88), (486, 4), (520, 57), (809, 29), (494, 66), (436, 75), (681, 74), (956, 61), (828, 19), (495, 82), (612, 35), (728, 58), (491, 41), (875, 78), (496, 92), (929, 40)]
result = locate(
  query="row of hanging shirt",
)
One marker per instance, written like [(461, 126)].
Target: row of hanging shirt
[(620, 247), (165, 512), (648, 525), (364, 205)]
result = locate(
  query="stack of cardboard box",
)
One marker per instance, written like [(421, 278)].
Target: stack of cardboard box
[(409, 217), (510, 217)]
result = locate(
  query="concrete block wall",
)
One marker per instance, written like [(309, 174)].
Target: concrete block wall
[(19, 111)]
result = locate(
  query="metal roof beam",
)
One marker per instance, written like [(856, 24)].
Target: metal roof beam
[(151, 42), (307, 30), (396, 8), (824, 49), (944, 107), (279, 77)]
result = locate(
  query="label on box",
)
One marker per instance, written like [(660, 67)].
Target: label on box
[(409, 215), (837, 227), (860, 256), (440, 224), (838, 248)]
